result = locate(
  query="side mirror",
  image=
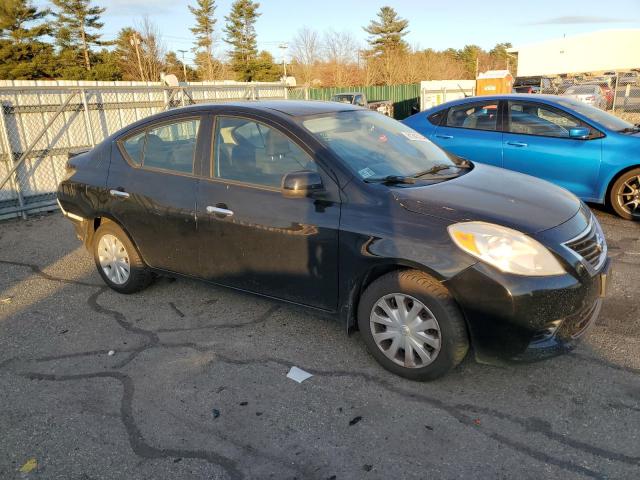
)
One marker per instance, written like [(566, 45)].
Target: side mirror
[(301, 184), (579, 132)]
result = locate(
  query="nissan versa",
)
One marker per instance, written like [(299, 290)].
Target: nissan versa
[(346, 211)]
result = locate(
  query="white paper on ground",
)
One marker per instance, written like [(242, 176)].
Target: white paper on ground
[(298, 375)]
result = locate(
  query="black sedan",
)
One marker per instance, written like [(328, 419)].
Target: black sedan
[(346, 211)]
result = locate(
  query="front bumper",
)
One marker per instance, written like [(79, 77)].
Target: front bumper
[(526, 318)]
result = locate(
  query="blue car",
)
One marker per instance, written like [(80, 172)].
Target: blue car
[(591, 153)]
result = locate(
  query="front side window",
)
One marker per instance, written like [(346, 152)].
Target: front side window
[(535, 119), (376, 146), (252, 152), (476, 116), (169, 146)]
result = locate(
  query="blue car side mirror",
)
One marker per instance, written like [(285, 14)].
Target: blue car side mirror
[(579, 132)]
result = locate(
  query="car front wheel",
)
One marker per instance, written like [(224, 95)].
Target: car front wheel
[(625, 195), (412, 326), (118, 261)]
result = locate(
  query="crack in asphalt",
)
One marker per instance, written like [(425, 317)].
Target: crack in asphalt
[(136, 440), (37, 270), (456, 411), (261, 318)]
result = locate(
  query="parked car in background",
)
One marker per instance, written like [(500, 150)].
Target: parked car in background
[(586, 150), (359, 99), (349, 212), (564, 85), (587, 93), (606, 91), (629, 78)]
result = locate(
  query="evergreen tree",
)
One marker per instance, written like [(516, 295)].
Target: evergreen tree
[(241, 35), (265, 70), (77, 24), (203, 31), (386, 34), (22, 54)]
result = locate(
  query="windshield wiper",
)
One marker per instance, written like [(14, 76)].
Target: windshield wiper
[(442, 166), (630, 129), (391, 179)]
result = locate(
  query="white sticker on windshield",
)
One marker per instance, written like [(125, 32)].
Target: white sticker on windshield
[(366, 172), (414, 137)]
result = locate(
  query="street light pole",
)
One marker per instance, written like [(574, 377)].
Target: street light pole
[(184, 65), (135, 42), (283, 47)]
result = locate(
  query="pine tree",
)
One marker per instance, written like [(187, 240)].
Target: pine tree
[(22, 54), (77, 24), (203, 31), (386, 35), (241, 35)]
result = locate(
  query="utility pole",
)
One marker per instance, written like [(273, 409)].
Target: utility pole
[(135, 42), (184, 65), (283, 47)]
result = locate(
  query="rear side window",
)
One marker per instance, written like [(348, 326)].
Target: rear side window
[(436, 118), (134, 147), (169, 146), (476, 116)]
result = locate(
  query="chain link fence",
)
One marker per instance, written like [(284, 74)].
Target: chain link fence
[(615, 92), (41, 124)]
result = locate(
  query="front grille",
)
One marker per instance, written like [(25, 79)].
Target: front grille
[(590, 246)]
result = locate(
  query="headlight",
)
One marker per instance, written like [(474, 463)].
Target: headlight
[(508, 250)]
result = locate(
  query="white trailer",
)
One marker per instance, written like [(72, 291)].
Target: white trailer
[(605, 50)]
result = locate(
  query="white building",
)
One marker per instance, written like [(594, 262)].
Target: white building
[(605, 50)]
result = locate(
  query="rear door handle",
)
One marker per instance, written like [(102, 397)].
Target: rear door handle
[(220, 211), (517, 144), (446, 137), (118, 193)]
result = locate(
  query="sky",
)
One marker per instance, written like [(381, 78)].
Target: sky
[(433, 24)]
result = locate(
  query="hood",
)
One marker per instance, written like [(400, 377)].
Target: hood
[(494, 195)]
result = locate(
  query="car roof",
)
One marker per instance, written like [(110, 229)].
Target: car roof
[(294, 108), (513, 96)]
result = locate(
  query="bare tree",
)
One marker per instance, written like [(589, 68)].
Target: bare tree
[(341, 50), (306, 50), (153, 50)]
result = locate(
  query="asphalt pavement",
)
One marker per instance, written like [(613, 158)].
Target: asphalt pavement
[(188, 381)]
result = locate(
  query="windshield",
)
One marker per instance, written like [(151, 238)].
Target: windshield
[(376, 146), (600, 116), (342, 98)]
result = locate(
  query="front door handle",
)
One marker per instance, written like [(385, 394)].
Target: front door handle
[(446, 137), (517, 144), (118, 193), (220, 211)]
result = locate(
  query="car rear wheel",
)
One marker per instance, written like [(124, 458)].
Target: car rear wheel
[(412, 326), (118, 261), (625, 195)]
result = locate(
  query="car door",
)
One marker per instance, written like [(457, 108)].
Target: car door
[(472, 130), (536, 141), (253, 238), (153, 191)]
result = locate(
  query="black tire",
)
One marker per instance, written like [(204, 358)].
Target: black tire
[(616, 201), (139, 275), (454, 340)]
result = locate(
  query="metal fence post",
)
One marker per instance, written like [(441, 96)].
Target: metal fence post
[(87, 118), (615, 94), (306, 93), (15, 182)]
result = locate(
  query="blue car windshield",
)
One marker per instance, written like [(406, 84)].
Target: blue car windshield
[(376, 146), (605, 119)]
